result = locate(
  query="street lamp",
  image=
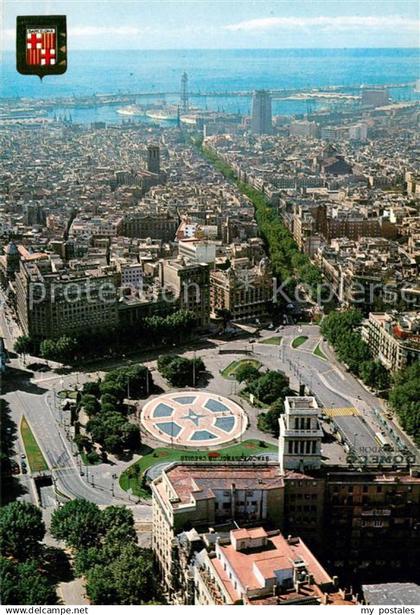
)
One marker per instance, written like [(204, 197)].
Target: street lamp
[(194, 356)]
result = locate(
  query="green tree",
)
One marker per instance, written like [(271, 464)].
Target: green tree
[(7, 439), (87, 558), (374, 374), (25, 583), (21, 530), (91, 388), (90, 404), (24, 344), (100, 587), (246, 372), (342, 330), (134, 381), (48, 349), (270, 387), (118, 521), (63, 349), (269, 421), (119, 582), (78, 523), (180, 371), (404, 399)]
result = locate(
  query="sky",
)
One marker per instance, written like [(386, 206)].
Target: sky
[(225, 24)]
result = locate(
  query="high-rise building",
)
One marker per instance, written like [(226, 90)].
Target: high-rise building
[(184, 93), (374, 97), (261, 118), (247, 292), (153, 159), (190, 283)]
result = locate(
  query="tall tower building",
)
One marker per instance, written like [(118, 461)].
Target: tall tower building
[(184, 93), (300, 435), (261, 118), (153, 159)]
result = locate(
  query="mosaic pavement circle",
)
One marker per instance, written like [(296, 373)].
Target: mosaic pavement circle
[(193, 418)]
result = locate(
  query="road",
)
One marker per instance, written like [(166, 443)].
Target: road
[(96, 484)]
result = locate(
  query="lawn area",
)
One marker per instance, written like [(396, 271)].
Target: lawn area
[(298, 341), (274, 341), (131, 478), (318, 352), (230, 370), (34, 455), (67, 394)]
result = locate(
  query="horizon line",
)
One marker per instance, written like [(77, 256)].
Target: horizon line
[(228, 48)]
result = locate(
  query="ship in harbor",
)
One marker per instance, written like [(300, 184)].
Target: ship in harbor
[(165, 114), (160, 114), (161, 111), (131, 110)]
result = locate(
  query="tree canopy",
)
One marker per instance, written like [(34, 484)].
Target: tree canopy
[(61, 349), (286, 259), (78, 523), (269, 387), (342, 330), (117, 571), (21, 530), (246, 372), (404, 399), (25, 583), (180, 371)]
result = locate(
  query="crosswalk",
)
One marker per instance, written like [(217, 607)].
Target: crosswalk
[(348, 411)]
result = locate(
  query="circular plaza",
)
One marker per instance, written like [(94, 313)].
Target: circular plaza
[(193, 418)]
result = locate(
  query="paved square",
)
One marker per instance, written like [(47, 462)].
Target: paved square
[(193, 419)]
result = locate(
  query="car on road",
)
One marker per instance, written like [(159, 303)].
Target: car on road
[(22, 456)]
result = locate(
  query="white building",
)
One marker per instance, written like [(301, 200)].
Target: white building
[(358, 132), (198, 251), (300, 435), (303, 128)]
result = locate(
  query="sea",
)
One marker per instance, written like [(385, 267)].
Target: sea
[(214, 72)]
